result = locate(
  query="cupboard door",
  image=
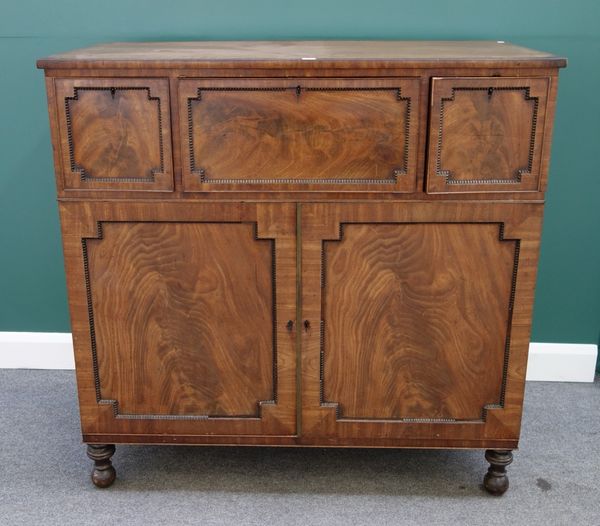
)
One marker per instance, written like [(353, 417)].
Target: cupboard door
[(486, 134), (416, 322), (180, 317), (299, 134), (115, 134)]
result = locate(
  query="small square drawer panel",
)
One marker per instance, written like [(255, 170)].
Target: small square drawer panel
[(115, 134), (486, 134), (299, 134)]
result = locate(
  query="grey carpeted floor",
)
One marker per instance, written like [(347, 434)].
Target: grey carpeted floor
[(44, 472)]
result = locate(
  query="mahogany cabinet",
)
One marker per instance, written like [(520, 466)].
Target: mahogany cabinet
[(302, 243)]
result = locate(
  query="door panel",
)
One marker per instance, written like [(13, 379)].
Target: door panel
[(416, 320), (299, 134), (486, 134), (172, 303), (413, 324), (187, 312)]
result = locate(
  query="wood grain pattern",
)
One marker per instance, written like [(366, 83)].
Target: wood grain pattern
[(184, 318), (340, 54), (253, 134), (416, 309), (308, 192), (486, 134), (207, 293), (115, 147), (179, 317), (115, 134), (425, 309)]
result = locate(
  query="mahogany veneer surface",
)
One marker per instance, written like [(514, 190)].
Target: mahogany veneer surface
[(339, 53)]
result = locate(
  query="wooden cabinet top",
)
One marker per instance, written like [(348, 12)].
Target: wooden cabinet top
[(303, 54)]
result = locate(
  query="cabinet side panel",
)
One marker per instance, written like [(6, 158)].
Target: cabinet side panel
[(54, 133)]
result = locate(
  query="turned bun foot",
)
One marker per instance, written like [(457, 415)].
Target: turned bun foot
[(496, 480), (103, 474)]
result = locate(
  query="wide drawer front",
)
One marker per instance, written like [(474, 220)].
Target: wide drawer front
[(486, 134), (115, 134), (299, 134)]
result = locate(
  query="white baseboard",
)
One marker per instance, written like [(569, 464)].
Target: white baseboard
[(36, 350), (549, 362), (562, 362)]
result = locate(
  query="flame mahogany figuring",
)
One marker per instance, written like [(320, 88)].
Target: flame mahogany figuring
[(302, 243)]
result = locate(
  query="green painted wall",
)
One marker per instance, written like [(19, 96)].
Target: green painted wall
[(32, 284)]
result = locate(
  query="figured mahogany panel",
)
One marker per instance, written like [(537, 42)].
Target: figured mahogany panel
[(486, 134), (183, 318), (415, 320), (300, 132), (115, 134), (180, 318)]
